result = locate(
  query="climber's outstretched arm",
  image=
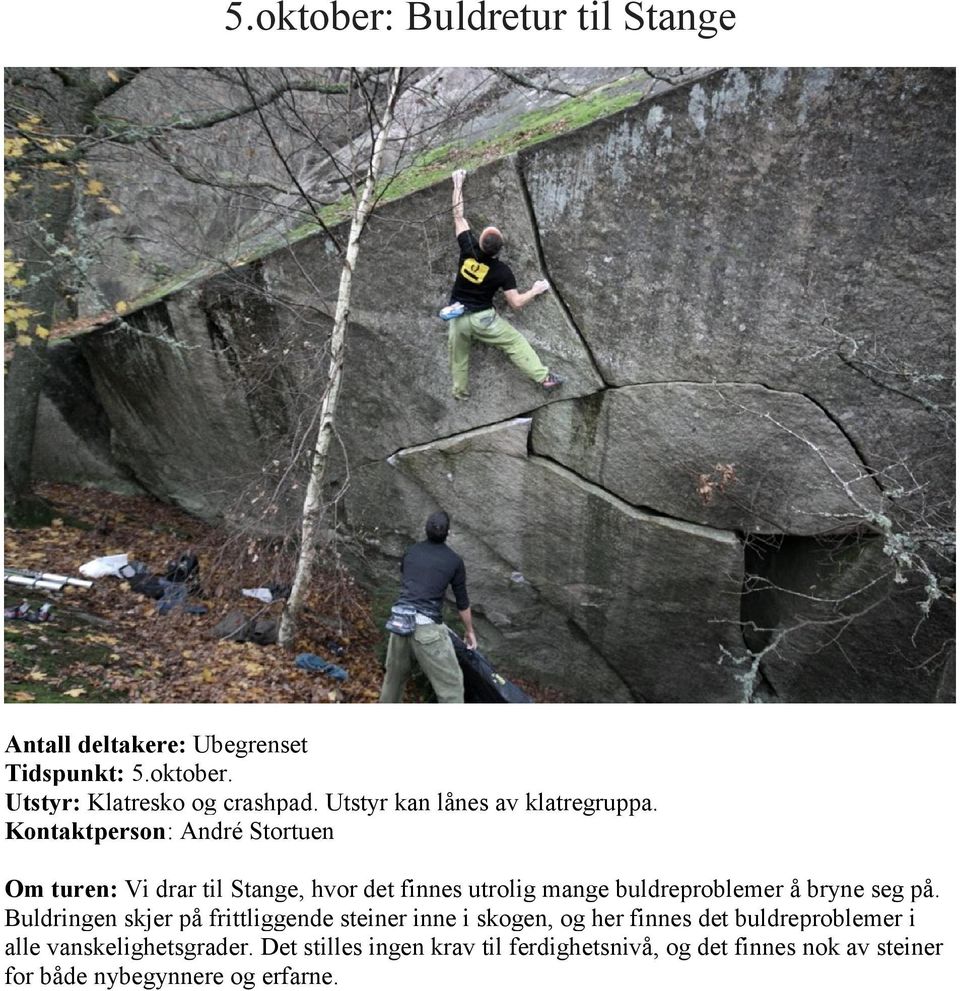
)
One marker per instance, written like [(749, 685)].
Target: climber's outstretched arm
[(518, 300), (459, 224)]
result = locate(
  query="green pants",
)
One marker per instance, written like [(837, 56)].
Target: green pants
[(431, 646), (488, 327)]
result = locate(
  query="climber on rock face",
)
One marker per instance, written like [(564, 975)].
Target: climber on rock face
[(479, 275)]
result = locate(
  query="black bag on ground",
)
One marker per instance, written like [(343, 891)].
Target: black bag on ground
[(152, 586), (481, 683), (140, 580), (185, 569)]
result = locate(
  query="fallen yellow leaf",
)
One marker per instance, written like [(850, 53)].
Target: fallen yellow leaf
[(36, 675), (23, 697), (104, 638), (75, 693)]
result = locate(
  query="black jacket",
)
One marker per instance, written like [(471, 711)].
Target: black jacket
[(427, 570)]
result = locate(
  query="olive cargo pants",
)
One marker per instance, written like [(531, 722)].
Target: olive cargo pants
[(430, 644), (490, 328)]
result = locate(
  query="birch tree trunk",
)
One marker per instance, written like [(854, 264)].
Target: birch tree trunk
[(313, 508)]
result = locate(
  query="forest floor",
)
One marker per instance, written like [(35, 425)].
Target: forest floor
[(111, 644)]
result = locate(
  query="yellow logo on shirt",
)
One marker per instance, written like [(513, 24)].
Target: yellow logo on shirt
[(474, 271)]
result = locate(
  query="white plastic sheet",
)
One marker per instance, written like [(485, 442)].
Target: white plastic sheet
[(101, 567)]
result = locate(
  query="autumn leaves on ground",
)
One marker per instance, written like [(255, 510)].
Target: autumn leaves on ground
[(110, 644)]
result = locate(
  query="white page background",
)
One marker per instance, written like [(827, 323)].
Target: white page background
[(841, 794)]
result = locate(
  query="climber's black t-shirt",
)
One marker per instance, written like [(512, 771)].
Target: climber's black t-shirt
[(479, 276), (428, 568)]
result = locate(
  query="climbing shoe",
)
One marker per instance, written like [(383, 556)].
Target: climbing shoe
[(551, 382)]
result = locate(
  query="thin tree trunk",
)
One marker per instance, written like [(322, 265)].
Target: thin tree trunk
[(313, 508), (28, 367)]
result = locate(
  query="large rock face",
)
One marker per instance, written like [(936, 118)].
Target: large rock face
[(587, 592), (201, 192), (741, 457), (790, 228), (397, 390), (753, 308)]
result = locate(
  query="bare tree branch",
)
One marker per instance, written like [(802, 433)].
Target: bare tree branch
[(307, 198), (526, 82)]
